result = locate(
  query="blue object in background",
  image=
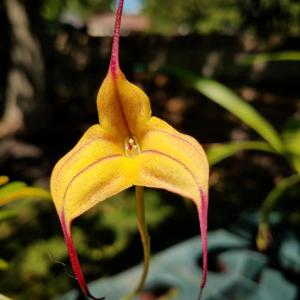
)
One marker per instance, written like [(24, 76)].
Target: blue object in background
[(289, 253), (235, 273)]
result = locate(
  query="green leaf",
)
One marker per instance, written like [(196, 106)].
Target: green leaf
[(226, 98), (12, 187), (291, 137), (219, 152), (3, 179), (3, 265), (2, 297), (18, 190), (264, 236), (7, 214), (274, 196), (268, 57)]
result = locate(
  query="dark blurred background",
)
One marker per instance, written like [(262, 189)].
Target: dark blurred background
[(54, 55)]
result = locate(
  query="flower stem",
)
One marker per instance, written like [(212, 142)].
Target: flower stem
[(142, 227)]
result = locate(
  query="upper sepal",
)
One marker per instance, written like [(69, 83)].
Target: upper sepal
[(123, 108)]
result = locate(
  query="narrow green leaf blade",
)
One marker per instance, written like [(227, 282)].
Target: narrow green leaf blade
[(12, 187), (291, 139), (4, 179), (7, 214), (3, 265), (218, 152), (274, 196), (2, 297), (18, 190), (264, 236), (226, 98), (269, 57)]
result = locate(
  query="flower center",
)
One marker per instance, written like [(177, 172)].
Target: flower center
[(132, 147)]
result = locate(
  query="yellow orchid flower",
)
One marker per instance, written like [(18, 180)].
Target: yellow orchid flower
[(128, 148)]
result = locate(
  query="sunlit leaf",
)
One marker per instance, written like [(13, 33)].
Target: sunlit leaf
[(3, 179), (3, 265), (268, 205), (2, 297), (18, 190), (7, 214), (219, 152), (272, 198), (226, 98), (12, 187), (264, 237), (269, 57), (291, 138)]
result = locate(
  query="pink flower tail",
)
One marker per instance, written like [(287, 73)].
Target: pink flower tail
[(114, 60), (74, 260), (203, 216)]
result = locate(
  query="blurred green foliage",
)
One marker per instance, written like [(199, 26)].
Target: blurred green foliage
[(202, 16), (2, 297), (11, 192), (51, 10), (102, 236), (17, 190), (285, 143), (232, 16), (192, 16), (269, 57)]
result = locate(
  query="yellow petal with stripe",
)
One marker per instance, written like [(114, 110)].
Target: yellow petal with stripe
[(182, 149), (91, 172), (175, 162)]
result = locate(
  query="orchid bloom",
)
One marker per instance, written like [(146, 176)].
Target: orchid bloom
[(128, 148)]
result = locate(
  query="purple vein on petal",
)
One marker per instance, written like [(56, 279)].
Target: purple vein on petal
[(84, 170), (64, 162), (179, 138), (174, 159), (202, 208), (74, 258)]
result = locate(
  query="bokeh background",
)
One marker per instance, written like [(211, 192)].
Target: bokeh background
[(54, 55)]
